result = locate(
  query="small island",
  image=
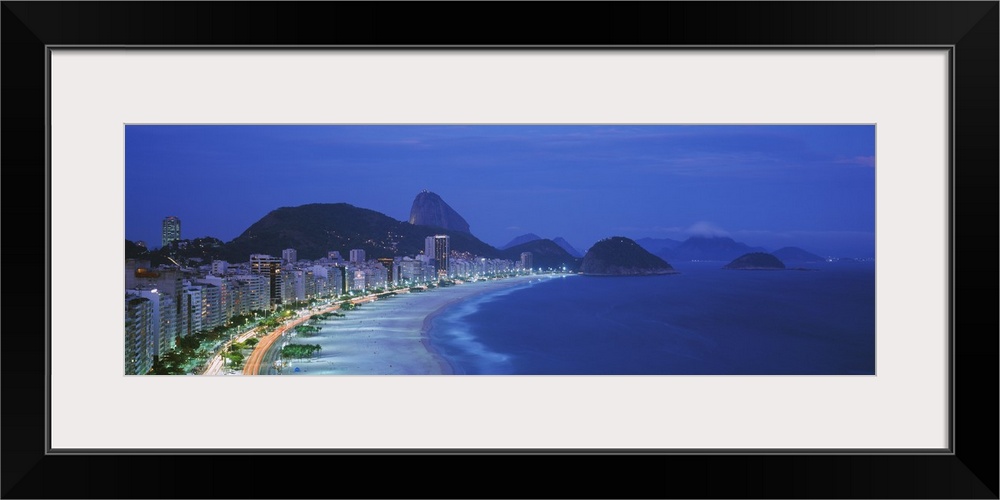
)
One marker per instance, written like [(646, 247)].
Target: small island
[(756, 261), (620, 256)]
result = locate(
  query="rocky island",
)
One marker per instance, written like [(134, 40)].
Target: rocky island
[(620, 256), (756, 261)]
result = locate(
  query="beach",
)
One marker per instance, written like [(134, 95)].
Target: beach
[(387, 336)]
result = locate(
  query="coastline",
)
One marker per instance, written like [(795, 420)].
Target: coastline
[(425, 329), (390, 336)]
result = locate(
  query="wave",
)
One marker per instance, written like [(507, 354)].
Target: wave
[(455, 338)]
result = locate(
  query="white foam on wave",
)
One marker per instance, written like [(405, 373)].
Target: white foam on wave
[(453, 329)]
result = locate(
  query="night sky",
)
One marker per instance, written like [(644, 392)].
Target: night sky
[(810, 186)]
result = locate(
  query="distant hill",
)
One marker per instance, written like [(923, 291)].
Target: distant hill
[(717, 248), (429, 209), (133, 251), (796, 254), (315, 229), (544, 254), (657, 245), (206, 249), (558, 240), (194, 252), (755, 261), (620, 256), (524, 238)]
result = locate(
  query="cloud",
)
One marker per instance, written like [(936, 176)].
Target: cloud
[(700, 228), (660, 230), (865, 161), (703, 228)]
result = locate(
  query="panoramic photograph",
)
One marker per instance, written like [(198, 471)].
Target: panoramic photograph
[(610, 249)]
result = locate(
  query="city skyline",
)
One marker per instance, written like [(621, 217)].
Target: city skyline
[(811, 186)]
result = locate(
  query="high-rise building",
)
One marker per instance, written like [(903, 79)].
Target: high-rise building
[(219, 300), (171, 230), (391, 269), (192, 306), (212, 311), (357, 256), (411, 270), (249, 292), (270, 267), (289, 255), (139, 335), (338, 274), (437, 247), (527, 260), (164, 319), (294, 284)]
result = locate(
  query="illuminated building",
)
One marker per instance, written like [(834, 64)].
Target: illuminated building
[(391, 269), (249, 292), (191, 309), (212, 312), (437, 247), (270, 267), (163, 319), (139, 335), (527, 260), (171, 230), (411, 270)]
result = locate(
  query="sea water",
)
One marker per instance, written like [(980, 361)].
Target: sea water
[(705, 321)]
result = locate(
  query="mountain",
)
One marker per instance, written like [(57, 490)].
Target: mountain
[(657, 245), (430, 210), (620, 256), (544, 254), (708, 248), (796, 254), (558, 240), (315, 229), (755, 261), (524, 238)]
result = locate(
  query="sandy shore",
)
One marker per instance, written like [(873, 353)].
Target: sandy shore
[(388, 336)]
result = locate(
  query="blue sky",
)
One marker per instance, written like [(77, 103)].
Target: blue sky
[(811, 186)]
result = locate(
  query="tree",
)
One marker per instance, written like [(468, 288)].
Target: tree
[(189, 343), (299, 350), (236, 358)]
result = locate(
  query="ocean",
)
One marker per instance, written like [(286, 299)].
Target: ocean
[(703, 321)]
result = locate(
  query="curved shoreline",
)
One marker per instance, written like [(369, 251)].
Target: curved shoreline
[(383, 342), (425, 339), (447, 367)]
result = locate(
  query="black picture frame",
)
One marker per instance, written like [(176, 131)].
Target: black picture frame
[(969, 28)]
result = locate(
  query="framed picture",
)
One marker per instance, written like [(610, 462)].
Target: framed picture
[(918, 79)]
